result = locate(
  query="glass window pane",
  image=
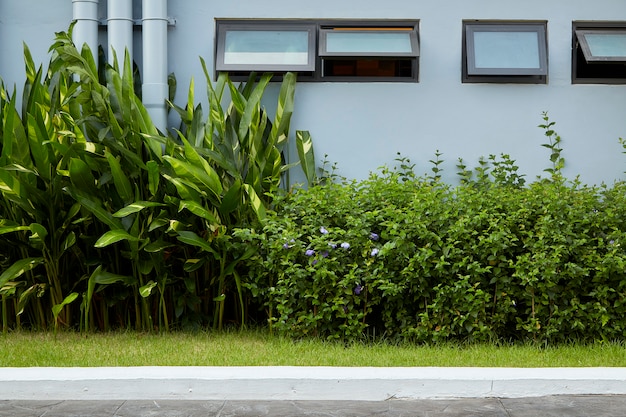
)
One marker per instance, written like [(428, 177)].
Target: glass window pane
[(607, 45), (506, 50), (265, 47), (368, 42)]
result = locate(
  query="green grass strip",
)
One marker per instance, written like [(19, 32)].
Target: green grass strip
[(258, 348)]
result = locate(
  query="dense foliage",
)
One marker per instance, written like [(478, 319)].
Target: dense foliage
[(412, 258), (107, 222)]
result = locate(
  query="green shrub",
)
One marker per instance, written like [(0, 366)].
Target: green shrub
[(427, 261)]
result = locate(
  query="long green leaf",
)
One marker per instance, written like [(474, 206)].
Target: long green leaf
[(306, 154), (56, 309), (18, 268), (153, 176), (11, 229), (94, 205), (284, 110), (198, 174), (191, 238), (198, 210), (114, 236), (252, 107), (120, 179), (81, 176), (25, 297), (255, 202), (157, 246), (135, 207), (233, 198)]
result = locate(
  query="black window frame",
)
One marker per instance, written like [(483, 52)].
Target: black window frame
[(222, 27), (471, 74), (321, 26), (596, 70)]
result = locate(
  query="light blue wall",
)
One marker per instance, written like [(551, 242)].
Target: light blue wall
[(362, 126)]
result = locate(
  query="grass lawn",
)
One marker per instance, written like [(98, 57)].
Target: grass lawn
[(258, 348)]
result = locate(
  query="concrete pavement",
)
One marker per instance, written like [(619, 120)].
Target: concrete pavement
[(312, 391), (293, 383), (552, 406)]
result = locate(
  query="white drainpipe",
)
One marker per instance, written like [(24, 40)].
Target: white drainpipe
[(154, 88), (120, 29), (85, 13)]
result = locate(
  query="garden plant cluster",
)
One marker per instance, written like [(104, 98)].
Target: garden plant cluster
[(411, 258), (107, 223)]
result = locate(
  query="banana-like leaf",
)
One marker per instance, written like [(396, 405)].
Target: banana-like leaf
[(11, 229), (153, 176), (193, 264), (146, 290), (18, 268), (81, 176), (198, 210), (26, 295), (197, 174), (186, 189), (157, 246), (232, 199), (38, 135), (191, 238), (255, 202), (306, 155), (39, 232), (56, 309), (197, 131), (135, 207), (94, 205), (284, 110), (107, 278), (69, 241), (114, 236), (252, 107), (99, 276), (120, 179)]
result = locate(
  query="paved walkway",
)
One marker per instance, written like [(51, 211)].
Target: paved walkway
[(312, 391), (293, 383), (553, 406)]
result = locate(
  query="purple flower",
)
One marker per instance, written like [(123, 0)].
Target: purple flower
[(345, 245), (309, 252), (286, 246), (374, 236), (374, 252), (358, 289), (325, 254), (323, 230), (314, 262), (333, 245)]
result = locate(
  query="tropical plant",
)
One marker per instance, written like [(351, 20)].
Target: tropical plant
[(87, 180)]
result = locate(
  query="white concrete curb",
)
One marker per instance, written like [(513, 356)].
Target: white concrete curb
[(302, 383)]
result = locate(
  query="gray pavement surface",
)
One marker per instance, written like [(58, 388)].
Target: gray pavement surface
[(558, 405)]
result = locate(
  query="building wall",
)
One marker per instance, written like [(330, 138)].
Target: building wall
[(362, 126)]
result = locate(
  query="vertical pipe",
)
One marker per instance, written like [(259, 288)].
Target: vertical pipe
[(120, 29), (154, 40), (85, 13)]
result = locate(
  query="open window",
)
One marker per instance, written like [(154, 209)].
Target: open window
[(599, 53), (504, 52), (319, 50), (247, 46), (374, 53)]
